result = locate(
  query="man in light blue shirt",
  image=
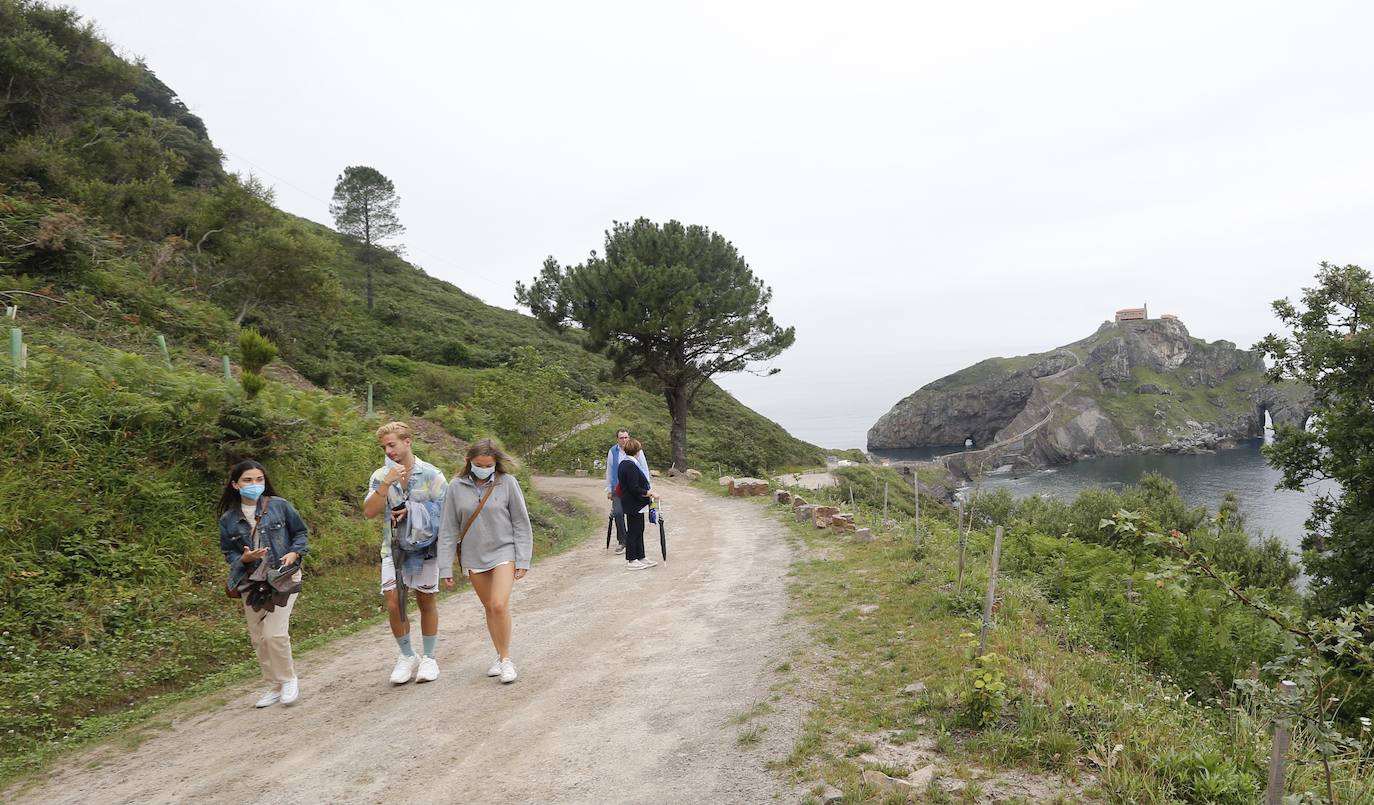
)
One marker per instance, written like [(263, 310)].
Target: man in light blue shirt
[(613, 457)]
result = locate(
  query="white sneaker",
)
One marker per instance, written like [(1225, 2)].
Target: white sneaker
[(269, 698), (648, 562), (429, 670), (495, 669), (290, 691), (405, 668), (507, 670), (635, 564)]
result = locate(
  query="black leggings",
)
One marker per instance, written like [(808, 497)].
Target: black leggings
[(634, 536)]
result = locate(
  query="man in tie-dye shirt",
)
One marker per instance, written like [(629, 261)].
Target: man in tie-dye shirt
[(402, 484)]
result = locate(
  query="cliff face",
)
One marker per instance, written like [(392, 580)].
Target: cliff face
[(1140, 386)]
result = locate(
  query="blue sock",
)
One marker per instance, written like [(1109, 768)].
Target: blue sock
[(429, 640), (404, 642)]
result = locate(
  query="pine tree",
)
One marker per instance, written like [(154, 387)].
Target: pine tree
[(364, 206), (672, 303)]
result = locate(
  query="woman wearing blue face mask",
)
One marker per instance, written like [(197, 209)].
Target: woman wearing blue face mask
[(259, 532), (485, 516)]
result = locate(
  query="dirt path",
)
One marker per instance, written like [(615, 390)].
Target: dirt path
[(629, 682)]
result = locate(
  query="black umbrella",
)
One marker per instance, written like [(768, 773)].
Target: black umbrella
[(662, 538), (610, 521)]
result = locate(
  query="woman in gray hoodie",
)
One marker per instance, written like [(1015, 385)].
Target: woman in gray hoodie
[(485, 517)]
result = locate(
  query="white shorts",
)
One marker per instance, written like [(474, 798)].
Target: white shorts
[(426, 581), (472, 572)]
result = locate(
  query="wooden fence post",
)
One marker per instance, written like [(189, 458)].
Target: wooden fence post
[(992, 593), (917, 488), (963, 543), (1278, 755)]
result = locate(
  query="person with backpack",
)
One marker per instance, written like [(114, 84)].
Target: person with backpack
[(409, 495), (485, 518), (633, 481), (613, 457), (263, 539)]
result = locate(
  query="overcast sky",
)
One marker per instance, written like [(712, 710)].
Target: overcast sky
[(923, 185)]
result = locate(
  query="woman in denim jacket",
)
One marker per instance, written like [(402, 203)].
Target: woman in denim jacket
[(248, 501)]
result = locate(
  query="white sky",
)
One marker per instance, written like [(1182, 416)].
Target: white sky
[(924, 185)]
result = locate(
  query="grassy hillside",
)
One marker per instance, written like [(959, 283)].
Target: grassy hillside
[(118, 225), (114, 204)]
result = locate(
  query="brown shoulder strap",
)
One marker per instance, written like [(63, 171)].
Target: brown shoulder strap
[(259, 509), (476, 511)]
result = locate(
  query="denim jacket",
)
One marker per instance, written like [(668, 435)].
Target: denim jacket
[(280, 529)]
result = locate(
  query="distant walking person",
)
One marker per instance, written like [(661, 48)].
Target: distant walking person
[(613, 457), (485, 518), (263, 539), (634, 499), (411, 492)]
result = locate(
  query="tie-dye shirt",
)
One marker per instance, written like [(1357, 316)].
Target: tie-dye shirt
[(427, 486)]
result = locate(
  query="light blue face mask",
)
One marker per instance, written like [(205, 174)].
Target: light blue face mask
[(482, 473), (251, 491)]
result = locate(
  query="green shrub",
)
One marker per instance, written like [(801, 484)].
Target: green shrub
[(1195, 634), (252, 383), (986, 693), (529, 403), (255, 351), (406, 387), (455, 353), (1207, 776), (867, 483)]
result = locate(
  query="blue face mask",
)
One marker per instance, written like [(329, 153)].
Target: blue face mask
[(251, 491), (482, 473)]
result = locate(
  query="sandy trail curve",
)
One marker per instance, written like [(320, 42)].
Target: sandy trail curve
[(628, 684)]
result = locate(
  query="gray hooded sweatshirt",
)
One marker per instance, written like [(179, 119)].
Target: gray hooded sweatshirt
[(501, 533)]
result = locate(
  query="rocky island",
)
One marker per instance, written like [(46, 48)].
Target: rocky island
[(1136, 385)]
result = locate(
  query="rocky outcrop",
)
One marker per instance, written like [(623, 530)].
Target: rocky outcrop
[(1143, 386), (933, 417), (974, 404), (1286, 405), (746, 487)]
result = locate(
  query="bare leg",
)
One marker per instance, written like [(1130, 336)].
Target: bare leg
[(493, 590), (399, 626), (429, 612)]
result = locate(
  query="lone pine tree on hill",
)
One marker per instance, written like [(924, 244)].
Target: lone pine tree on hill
[(672, 302), (364, 206)]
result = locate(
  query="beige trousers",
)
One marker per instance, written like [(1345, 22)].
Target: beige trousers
[(271, 640)]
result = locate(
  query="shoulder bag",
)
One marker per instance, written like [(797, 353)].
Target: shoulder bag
[(259, 510)]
